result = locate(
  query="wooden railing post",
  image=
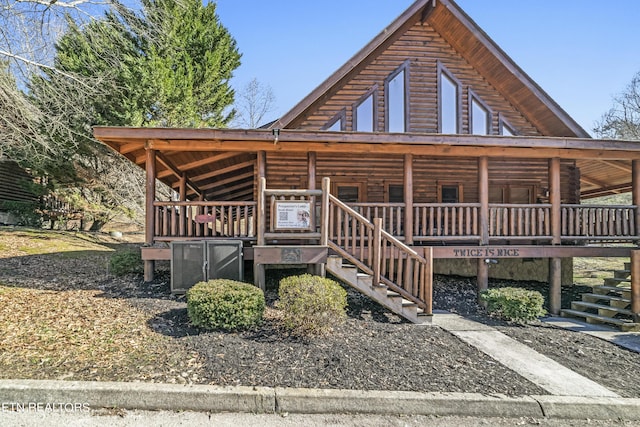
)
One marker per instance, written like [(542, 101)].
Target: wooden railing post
[(635, 190), (324, 212), (377, 250), (635, 285), (259, 269), (408, 199)]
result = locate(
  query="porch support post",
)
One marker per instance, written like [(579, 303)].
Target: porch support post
[(635, 190), (408, 199), (555, 264), (311, 170), (635, 285), (258, 269), (483, 217), (262, 165), (183, 187), (150, 197)]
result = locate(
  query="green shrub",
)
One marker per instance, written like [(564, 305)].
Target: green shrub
[(514, 304), (25, 213), (126, 262), (311, 305), (225, 304)]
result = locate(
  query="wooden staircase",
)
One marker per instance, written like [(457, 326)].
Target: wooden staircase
[(609, 303), (378, 265), (379, 292)]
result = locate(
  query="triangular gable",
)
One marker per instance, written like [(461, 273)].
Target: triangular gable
[(475, 46)]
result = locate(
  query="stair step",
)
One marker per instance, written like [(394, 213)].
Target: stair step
[(624, 291), (596, 297), (623, 324), (601, 308), (621, 274), (407, 303), (614, 281)]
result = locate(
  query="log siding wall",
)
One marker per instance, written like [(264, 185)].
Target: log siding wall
[(289, 171), (423, 47)]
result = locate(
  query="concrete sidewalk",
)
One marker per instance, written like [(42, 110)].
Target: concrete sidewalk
[(572, 396), (66, 396), (537, 368)]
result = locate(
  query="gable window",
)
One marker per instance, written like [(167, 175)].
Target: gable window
[(337, 122), (505, 128), (479, 116), (364, 112), (448, 102), (396, 96)]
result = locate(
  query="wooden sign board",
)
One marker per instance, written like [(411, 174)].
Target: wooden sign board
[(292, 215)]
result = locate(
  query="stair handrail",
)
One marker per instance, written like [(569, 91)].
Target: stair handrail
[(422, 289)]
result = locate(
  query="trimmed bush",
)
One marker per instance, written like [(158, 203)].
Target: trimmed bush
[(126, 262), (311, 305), (514, 304), (225, 304)]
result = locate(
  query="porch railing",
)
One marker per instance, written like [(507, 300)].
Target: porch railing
[(520, 221), (432, 222), (204, 219), (444, 221), (378, 253), (392, 215), (590, 222)]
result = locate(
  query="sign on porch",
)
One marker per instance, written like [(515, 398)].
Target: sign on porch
[(293, 215)]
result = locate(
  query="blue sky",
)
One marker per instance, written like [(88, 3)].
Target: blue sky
[(581, 52)]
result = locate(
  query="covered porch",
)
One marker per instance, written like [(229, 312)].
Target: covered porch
[(216, 175)]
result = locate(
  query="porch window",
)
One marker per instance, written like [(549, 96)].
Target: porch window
[(364, 114), (337, 122), (479, 116), (448, 102), (395, 89), (348, 193), (450, 193), (395, 193)]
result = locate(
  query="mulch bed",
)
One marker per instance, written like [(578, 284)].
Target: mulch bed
[(372, 350)]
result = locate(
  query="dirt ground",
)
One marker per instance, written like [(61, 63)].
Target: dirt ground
[(63, 316)]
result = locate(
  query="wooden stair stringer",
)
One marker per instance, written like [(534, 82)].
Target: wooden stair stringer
[(361, 281)]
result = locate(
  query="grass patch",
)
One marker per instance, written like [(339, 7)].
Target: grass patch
[(592, 271), (74, 335)]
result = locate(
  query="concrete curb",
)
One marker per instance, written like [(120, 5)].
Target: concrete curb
[(202, 398)]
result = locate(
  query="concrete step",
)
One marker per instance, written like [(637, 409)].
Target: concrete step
[(603, 310), (623, 324)]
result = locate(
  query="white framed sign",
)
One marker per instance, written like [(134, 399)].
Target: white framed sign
[(292, 215)]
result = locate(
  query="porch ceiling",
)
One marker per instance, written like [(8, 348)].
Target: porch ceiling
[(221, 162)]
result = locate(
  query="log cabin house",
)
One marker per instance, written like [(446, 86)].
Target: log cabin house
[(429, 144)]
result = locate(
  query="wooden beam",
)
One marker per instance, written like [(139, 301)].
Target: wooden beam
[(635, 192), (183, 187), (415, 148), (222, 171), (615, 164), (591, 181), (408, 199), (227, 180), (555, 285), (635, 285), (483, 195), (130, 148), (162, 158), (165, 137), (311, 170), (614, 189), (227, 190), (555, 200)]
